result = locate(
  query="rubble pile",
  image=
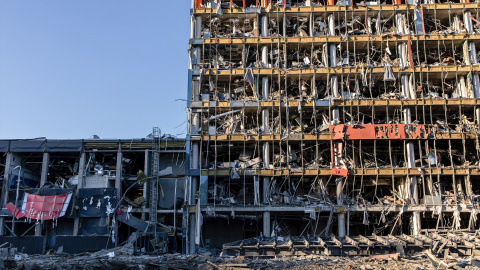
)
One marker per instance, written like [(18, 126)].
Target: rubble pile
[(114, 260)]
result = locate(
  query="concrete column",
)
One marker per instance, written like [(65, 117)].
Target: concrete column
[(146, 170), (265, 56), (265, 32), (195, 121), (266, 130), (311, 23), (332, 48), (146, 190), (405, 81), (341, 215), (472, 50), (476, 93), (332, 62), (118, 172), (193, 180), (198, 27), (402, 47), (81, 181), (192, 247), (195, 53), (467, 22), (43, 180), (9, 164), (331, 25), (266, 224), (194, 164), (192, 26), (335, 95), (266, 180), (118, 184), (44, 173), (402, 51), (462, 89)]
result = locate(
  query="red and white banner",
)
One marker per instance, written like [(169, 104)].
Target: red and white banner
[(42, 207)]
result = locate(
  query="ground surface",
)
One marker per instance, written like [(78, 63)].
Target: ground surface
[(103, 260)]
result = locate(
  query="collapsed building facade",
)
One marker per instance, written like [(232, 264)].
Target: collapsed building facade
[(72, 196), (335, 127), (325, 126)]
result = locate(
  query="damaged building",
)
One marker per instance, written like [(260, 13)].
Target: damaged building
[(72, 196), (333, 127)]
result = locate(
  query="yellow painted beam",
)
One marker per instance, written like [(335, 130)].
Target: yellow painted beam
[(360, 9), (338, 39), (356, 102), (342, 70), (305, 137)]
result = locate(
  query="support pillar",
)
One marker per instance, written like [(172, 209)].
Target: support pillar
[(332, 62), (192, 26), (195, 54), (467, 22), (341, 215), (266, 129), (43, 181), (146, 190), (81, 181), (476, 92), (266, 164), (118, 183), (9, 164), (266, 224), (193, 180), (198, 27), (471, 58), (194, 152), (412, 180), (265, 32), (118, 172)]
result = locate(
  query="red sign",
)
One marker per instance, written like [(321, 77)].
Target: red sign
[(45, 207), (382, 131), (41, 207)]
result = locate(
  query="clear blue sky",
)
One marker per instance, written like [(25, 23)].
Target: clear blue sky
[(114, 68)]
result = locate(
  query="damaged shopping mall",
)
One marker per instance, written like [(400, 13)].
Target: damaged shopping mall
[(333, 127), (73, 196), (326, 128)]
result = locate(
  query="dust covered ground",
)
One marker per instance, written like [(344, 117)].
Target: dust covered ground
[(104, 260)]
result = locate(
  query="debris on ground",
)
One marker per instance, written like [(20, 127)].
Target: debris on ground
[(104, 260)]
